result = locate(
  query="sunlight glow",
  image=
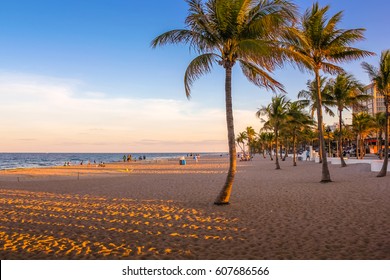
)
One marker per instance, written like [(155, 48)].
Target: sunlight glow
[(48, 225)]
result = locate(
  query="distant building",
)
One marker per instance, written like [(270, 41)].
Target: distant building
[(371, 106)]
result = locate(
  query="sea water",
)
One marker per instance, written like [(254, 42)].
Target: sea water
[(27, 160)]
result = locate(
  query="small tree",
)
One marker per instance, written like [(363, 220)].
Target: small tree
[(276, 114), (297, 121), (362, 124), (380, 126), (345, 92)]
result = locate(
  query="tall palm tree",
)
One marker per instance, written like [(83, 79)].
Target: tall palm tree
[(227, 32), (317, 44), (276, 113), (381, 79), (345, 92), (362, 124)]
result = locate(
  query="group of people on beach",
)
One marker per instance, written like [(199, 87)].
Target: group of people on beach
[(244, 157), (129, 158), (196, 157), (101, 164)]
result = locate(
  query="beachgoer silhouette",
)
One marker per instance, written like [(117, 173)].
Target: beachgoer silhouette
[(307, 155)]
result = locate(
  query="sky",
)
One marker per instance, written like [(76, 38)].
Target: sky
[(80, 76)]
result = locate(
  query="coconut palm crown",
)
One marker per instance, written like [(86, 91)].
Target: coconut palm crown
[(317, 44), (307, 97), (227, 32)]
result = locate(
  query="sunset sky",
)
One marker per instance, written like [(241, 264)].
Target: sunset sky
[(80, 76)]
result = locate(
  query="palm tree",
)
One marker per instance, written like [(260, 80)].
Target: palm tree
[(380, 126), (276, 113), (328, 134), (308, 96), (317, 44), (263, 141), (241, 137), (348, 134), (297, 121), (269, 139), (362, 124), (251, 134), (381, 79), (227, 32), (345, 92)]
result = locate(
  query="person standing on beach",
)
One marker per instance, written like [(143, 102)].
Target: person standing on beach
[(124, 158), (307, 155)]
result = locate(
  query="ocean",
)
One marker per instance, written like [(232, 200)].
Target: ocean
[(28, 160)]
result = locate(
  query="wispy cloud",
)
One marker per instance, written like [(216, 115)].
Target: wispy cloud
[(57, 112)]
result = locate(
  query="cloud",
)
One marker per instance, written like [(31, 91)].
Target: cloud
[(60, 116)]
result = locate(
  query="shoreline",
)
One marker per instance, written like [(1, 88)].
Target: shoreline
[(165, 211), (9, 161)]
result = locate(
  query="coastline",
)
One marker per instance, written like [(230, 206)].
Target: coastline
[(39, 160), (164, 210)]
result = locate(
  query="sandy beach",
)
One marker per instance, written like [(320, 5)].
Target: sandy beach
[(163, 210)]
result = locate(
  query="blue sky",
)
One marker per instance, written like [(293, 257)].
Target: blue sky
[(80, 76)]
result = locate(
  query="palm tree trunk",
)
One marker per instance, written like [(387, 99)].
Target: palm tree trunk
[(276, 144), (383, 171), (224, 195), (320, 150), (379, 143), (325, 169), (281, 151), (343, 164), (294, 151), (358, 146), (286, 151)]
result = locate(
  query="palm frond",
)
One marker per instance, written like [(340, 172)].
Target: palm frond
[(198, 66), (371, 70), (268, 18), (345, 54), (260, 77), (331, 68), (265, 54), (195, 40)]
